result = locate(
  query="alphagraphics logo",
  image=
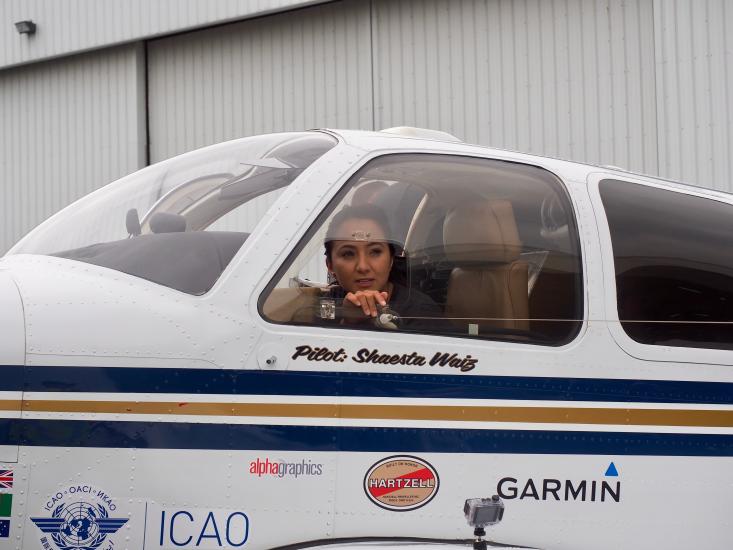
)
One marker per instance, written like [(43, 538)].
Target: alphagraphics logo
[(280, 468), (79, 519)]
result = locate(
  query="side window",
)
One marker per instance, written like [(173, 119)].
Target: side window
[(674, 268), (443, 245)]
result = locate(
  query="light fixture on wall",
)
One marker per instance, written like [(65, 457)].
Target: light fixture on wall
[(26, 27)]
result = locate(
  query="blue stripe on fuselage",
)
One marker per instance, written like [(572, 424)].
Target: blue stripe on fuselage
[(11, 377), (173, 435), (255, 382)]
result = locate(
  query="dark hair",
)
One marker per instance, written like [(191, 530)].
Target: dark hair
[(358, 211)]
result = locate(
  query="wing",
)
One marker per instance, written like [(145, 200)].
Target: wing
[(48, 525), (107, 526)]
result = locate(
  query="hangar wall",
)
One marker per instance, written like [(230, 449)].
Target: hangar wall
[(68, 127), (694, 58), (305, 69), (67, 27), (565, 78), (642, 84)]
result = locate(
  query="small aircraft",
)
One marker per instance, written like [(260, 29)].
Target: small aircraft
[(541, 339)]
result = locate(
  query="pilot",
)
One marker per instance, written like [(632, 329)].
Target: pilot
[(360, 256)]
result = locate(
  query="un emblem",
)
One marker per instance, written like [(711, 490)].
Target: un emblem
[(78, 524)]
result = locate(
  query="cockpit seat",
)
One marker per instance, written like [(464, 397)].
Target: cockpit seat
[(487, 288)]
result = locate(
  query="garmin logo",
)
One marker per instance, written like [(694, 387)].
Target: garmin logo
[(584, 490)]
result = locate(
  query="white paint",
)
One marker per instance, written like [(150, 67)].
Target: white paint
[(78, 314)]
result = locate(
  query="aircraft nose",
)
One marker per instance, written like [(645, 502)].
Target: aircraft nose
[(12, 323)]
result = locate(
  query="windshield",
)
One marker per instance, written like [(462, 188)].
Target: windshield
[(180, 222)]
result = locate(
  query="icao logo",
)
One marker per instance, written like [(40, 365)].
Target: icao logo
[(79, 519)]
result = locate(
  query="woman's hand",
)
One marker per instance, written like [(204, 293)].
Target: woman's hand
[(367, 300)]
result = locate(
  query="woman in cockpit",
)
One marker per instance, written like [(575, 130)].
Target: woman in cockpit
[(360, 255)]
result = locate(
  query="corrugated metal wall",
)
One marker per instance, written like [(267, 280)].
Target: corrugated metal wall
[(567, 78), (68, 127), (305, 69), (694, 54), (642, 84), (65, 27)]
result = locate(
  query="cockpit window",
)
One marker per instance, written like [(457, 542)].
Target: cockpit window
[(674, 268), (179, 223), (439, 244)]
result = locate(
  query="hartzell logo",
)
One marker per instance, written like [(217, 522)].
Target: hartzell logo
[(401, 483)]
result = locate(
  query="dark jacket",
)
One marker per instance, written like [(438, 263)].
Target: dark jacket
[(414, 308)]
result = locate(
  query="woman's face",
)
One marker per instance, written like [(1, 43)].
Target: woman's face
[(361, 264)]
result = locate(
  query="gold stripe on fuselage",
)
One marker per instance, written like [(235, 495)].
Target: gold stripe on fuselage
[(541, 414)]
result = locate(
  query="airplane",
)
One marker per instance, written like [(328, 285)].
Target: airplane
[(557, 369)]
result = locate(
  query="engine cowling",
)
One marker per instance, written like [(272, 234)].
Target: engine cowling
[(12, 323)]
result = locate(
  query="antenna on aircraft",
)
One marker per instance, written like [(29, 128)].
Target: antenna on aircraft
[(480, 513), (424, 133)]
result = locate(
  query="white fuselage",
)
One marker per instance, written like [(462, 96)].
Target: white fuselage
[(118, 390)]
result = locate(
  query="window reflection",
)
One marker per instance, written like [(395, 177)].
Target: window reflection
[(674, 272), (477, 248)]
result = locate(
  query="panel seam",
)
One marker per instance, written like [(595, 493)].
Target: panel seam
[(371, 64)]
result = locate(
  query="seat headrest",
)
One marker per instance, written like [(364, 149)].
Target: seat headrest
[(165, 222), (481, 233)]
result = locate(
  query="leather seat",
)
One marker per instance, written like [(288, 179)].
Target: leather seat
[(488, 286)]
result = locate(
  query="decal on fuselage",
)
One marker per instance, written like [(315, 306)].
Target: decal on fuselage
[(376, 357), (401, 483), (280, 468), (6, 501), (80, 519), (563, 490), (200, 528)]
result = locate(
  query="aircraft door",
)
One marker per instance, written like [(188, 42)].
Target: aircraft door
[(425, 276), (436, 246)]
